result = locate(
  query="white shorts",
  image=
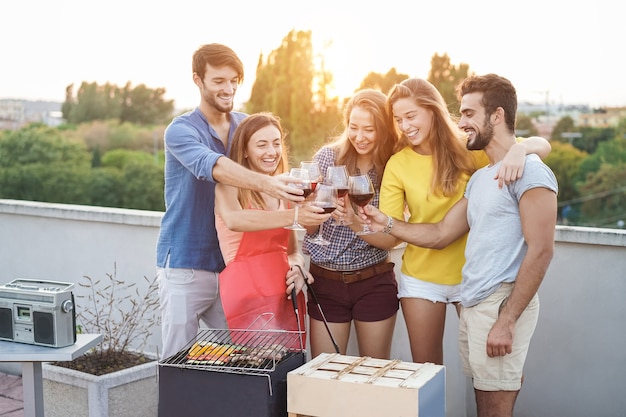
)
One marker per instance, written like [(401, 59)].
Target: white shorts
[(409, 287)]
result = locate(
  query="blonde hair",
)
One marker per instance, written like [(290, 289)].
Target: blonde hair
[(451, 159)]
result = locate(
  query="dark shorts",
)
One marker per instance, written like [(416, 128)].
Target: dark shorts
[(372, 299)]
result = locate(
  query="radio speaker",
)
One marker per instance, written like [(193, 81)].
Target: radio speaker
[(6, 323), (43, 326)]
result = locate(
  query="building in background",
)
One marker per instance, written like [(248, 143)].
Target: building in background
[(15, 113)]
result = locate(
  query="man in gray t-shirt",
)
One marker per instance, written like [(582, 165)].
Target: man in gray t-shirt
[(509, 247)]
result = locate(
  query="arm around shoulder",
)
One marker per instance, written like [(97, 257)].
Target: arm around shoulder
[(536, 145)]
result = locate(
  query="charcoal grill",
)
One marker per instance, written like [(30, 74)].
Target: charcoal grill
[(225, 372)]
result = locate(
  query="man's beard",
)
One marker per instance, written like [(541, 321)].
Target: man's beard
[(481, 139), (217, 105)]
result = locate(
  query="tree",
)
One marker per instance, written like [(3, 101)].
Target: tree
[(284, 85), (564, 125), (381, 82), (610, 152), (524, 126), (45, 164), (141, 105), (39, 144), (445, 77), (565, 160), (604, 196), (592, 137)]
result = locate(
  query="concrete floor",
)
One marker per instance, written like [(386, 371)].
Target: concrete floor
[(11, 396)]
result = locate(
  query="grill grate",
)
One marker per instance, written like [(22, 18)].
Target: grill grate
[(249, 352)]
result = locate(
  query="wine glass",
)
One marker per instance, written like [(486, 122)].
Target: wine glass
[(361, 192), (305, 185), (337, 176), (314, 172), (325, 197)]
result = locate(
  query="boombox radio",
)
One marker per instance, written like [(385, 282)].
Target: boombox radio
[(38, 312)]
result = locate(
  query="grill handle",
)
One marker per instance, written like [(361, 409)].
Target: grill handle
[(319, 308)]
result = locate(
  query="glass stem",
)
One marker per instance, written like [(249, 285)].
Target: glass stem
[(295, 215)]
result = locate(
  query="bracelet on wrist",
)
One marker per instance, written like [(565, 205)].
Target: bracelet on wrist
[(389, 225)]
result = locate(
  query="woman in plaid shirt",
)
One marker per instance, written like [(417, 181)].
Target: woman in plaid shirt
[(354, 279)]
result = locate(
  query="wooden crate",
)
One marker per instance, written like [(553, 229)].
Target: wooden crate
[(334, 385)]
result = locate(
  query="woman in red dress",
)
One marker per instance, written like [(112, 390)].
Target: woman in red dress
[(260, 253)]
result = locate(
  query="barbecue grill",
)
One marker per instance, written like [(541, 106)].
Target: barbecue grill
[(225, 372)]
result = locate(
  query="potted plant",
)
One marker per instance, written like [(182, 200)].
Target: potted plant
[(116, 378)]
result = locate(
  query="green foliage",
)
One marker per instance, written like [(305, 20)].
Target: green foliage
[(381, 82), (141, 105), (565, 124), (37, 144), (525, 126), (120, 158), (284, 85), (143, 185), (604, 196), (592, 137), (445, 77), (104, 188), (608, 152), (46, 164), (565, 160)]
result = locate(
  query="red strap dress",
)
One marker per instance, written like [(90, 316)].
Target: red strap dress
[(252, 286)]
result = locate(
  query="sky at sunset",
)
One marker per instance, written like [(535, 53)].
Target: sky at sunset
[(566, 52)]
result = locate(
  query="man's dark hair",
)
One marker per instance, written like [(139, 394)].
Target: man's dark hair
[(497, 92), (216, 55)]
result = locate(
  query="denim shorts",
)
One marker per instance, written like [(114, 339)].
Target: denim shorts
[(369, 300)]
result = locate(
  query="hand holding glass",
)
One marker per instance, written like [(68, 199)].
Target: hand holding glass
[(313, 167), (305, 185), (337, 176), (361, 192), (326, 198)]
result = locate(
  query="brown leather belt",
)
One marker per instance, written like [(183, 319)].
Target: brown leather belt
[(348, 277)]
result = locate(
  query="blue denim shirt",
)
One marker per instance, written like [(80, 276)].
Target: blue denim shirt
[(187, 233)]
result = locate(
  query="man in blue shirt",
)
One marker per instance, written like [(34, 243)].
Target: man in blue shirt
[(188, 253)]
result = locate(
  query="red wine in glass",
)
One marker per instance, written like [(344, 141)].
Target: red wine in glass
[(328, 209), (326, 198), (337, 175), (341, 192), (308, 190), (361, 192), (361, 200)]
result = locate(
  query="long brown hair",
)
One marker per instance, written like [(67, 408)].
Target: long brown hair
[(387, 140), (241, 138), (451, 159)]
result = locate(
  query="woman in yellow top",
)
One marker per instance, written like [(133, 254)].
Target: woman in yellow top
[(423, 181)]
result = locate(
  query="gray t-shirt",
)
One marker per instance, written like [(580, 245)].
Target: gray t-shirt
[(495, 244)]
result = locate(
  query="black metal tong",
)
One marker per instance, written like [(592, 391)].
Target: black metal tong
[(319, 308)]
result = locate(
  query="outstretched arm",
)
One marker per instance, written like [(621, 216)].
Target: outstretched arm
[(248, 220), (427, 235), (231, 173)]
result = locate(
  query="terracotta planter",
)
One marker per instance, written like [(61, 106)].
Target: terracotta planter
[(132, 392)]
